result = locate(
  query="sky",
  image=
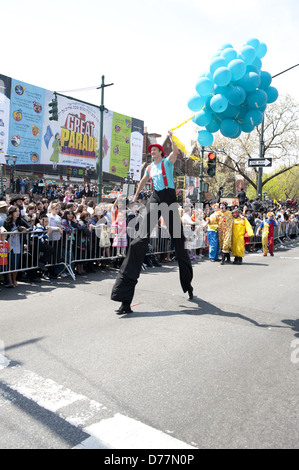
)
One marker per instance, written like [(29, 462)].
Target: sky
[(153, 52)]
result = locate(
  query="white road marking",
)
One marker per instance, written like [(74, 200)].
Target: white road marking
[(121, 432), (116, 432), (4, 362)]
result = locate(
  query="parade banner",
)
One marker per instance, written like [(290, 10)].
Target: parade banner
[(73, 140)]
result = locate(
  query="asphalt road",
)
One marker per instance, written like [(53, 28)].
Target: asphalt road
[(221, 371)]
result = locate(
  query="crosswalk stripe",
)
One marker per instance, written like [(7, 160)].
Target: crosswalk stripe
[(115, 432)]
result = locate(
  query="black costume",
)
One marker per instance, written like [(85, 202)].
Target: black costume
[(124, 287)]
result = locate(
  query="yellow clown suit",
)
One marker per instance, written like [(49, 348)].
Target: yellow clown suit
[(224, 219), (240, 227)]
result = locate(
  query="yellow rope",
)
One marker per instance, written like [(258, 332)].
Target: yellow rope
[(180, 125), (180, 144)]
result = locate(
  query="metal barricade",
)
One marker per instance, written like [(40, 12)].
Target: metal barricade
[(25, 251)]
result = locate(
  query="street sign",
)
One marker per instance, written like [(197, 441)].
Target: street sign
[(260, 162)]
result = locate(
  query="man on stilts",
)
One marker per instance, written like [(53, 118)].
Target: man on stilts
[(162, 202)]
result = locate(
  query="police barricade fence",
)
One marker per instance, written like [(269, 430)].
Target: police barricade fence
[(283, 234), (28, 250), (25, 251)]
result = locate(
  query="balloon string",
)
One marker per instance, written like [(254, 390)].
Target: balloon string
[(180, 125)]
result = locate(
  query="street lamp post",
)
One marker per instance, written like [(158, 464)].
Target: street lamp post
[(100, 159), (201, 180), (128, 181), (262, 155), (1, 187)]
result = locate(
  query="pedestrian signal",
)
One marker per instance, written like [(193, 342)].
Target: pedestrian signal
[(53, 110), (211, 164)]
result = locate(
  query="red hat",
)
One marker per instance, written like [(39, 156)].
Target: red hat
[(159, 147)]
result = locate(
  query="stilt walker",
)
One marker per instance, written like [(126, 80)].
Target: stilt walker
[(162, 202)]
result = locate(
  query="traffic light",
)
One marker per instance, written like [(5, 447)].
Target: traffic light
[(211, 164), (53, 110)]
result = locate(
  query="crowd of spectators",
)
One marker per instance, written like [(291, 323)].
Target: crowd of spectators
[(100, 234)]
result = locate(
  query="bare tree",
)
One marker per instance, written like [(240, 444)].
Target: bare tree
[(281, 143)]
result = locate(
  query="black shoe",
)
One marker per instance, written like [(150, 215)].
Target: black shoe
[(123, 309), (190, 292)]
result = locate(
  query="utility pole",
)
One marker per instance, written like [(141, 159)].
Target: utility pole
[(261, 155), (1, 184), (100, 159), (201, 176)]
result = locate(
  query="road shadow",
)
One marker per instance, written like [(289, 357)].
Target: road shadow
[(199, 307), (294, 325)]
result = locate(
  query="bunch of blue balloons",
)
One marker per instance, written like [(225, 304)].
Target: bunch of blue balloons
[(233, 95)]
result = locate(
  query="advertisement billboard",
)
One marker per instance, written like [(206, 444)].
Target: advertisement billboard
[(73, 140)]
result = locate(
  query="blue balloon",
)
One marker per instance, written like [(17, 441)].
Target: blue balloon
[(252, 68), (214, 125), (238, 133), (262, 109), (196, 103), (205, 138), (254, 117), (257, 63), (254, 43), (216, 63), (218, 103), (206, 75), (262, 50), (250, 81), (231, 112), (272, 94), (229, 54), (203, 118), (236, 95), (207, 104), (229, 128), (226, 46), (247, 127), (221, 90), (222, 76), (237, 68), (266, 80), (257, 99), (243, 111), (204, 86), (248, 54)]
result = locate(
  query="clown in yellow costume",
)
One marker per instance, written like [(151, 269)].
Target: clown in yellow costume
[(224, 219), (240, 227)]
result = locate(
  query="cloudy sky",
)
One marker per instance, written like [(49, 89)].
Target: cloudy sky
[(153, 52)]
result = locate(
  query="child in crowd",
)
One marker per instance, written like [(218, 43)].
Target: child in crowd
[(42, 232), (120, 240), (4, 252)]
